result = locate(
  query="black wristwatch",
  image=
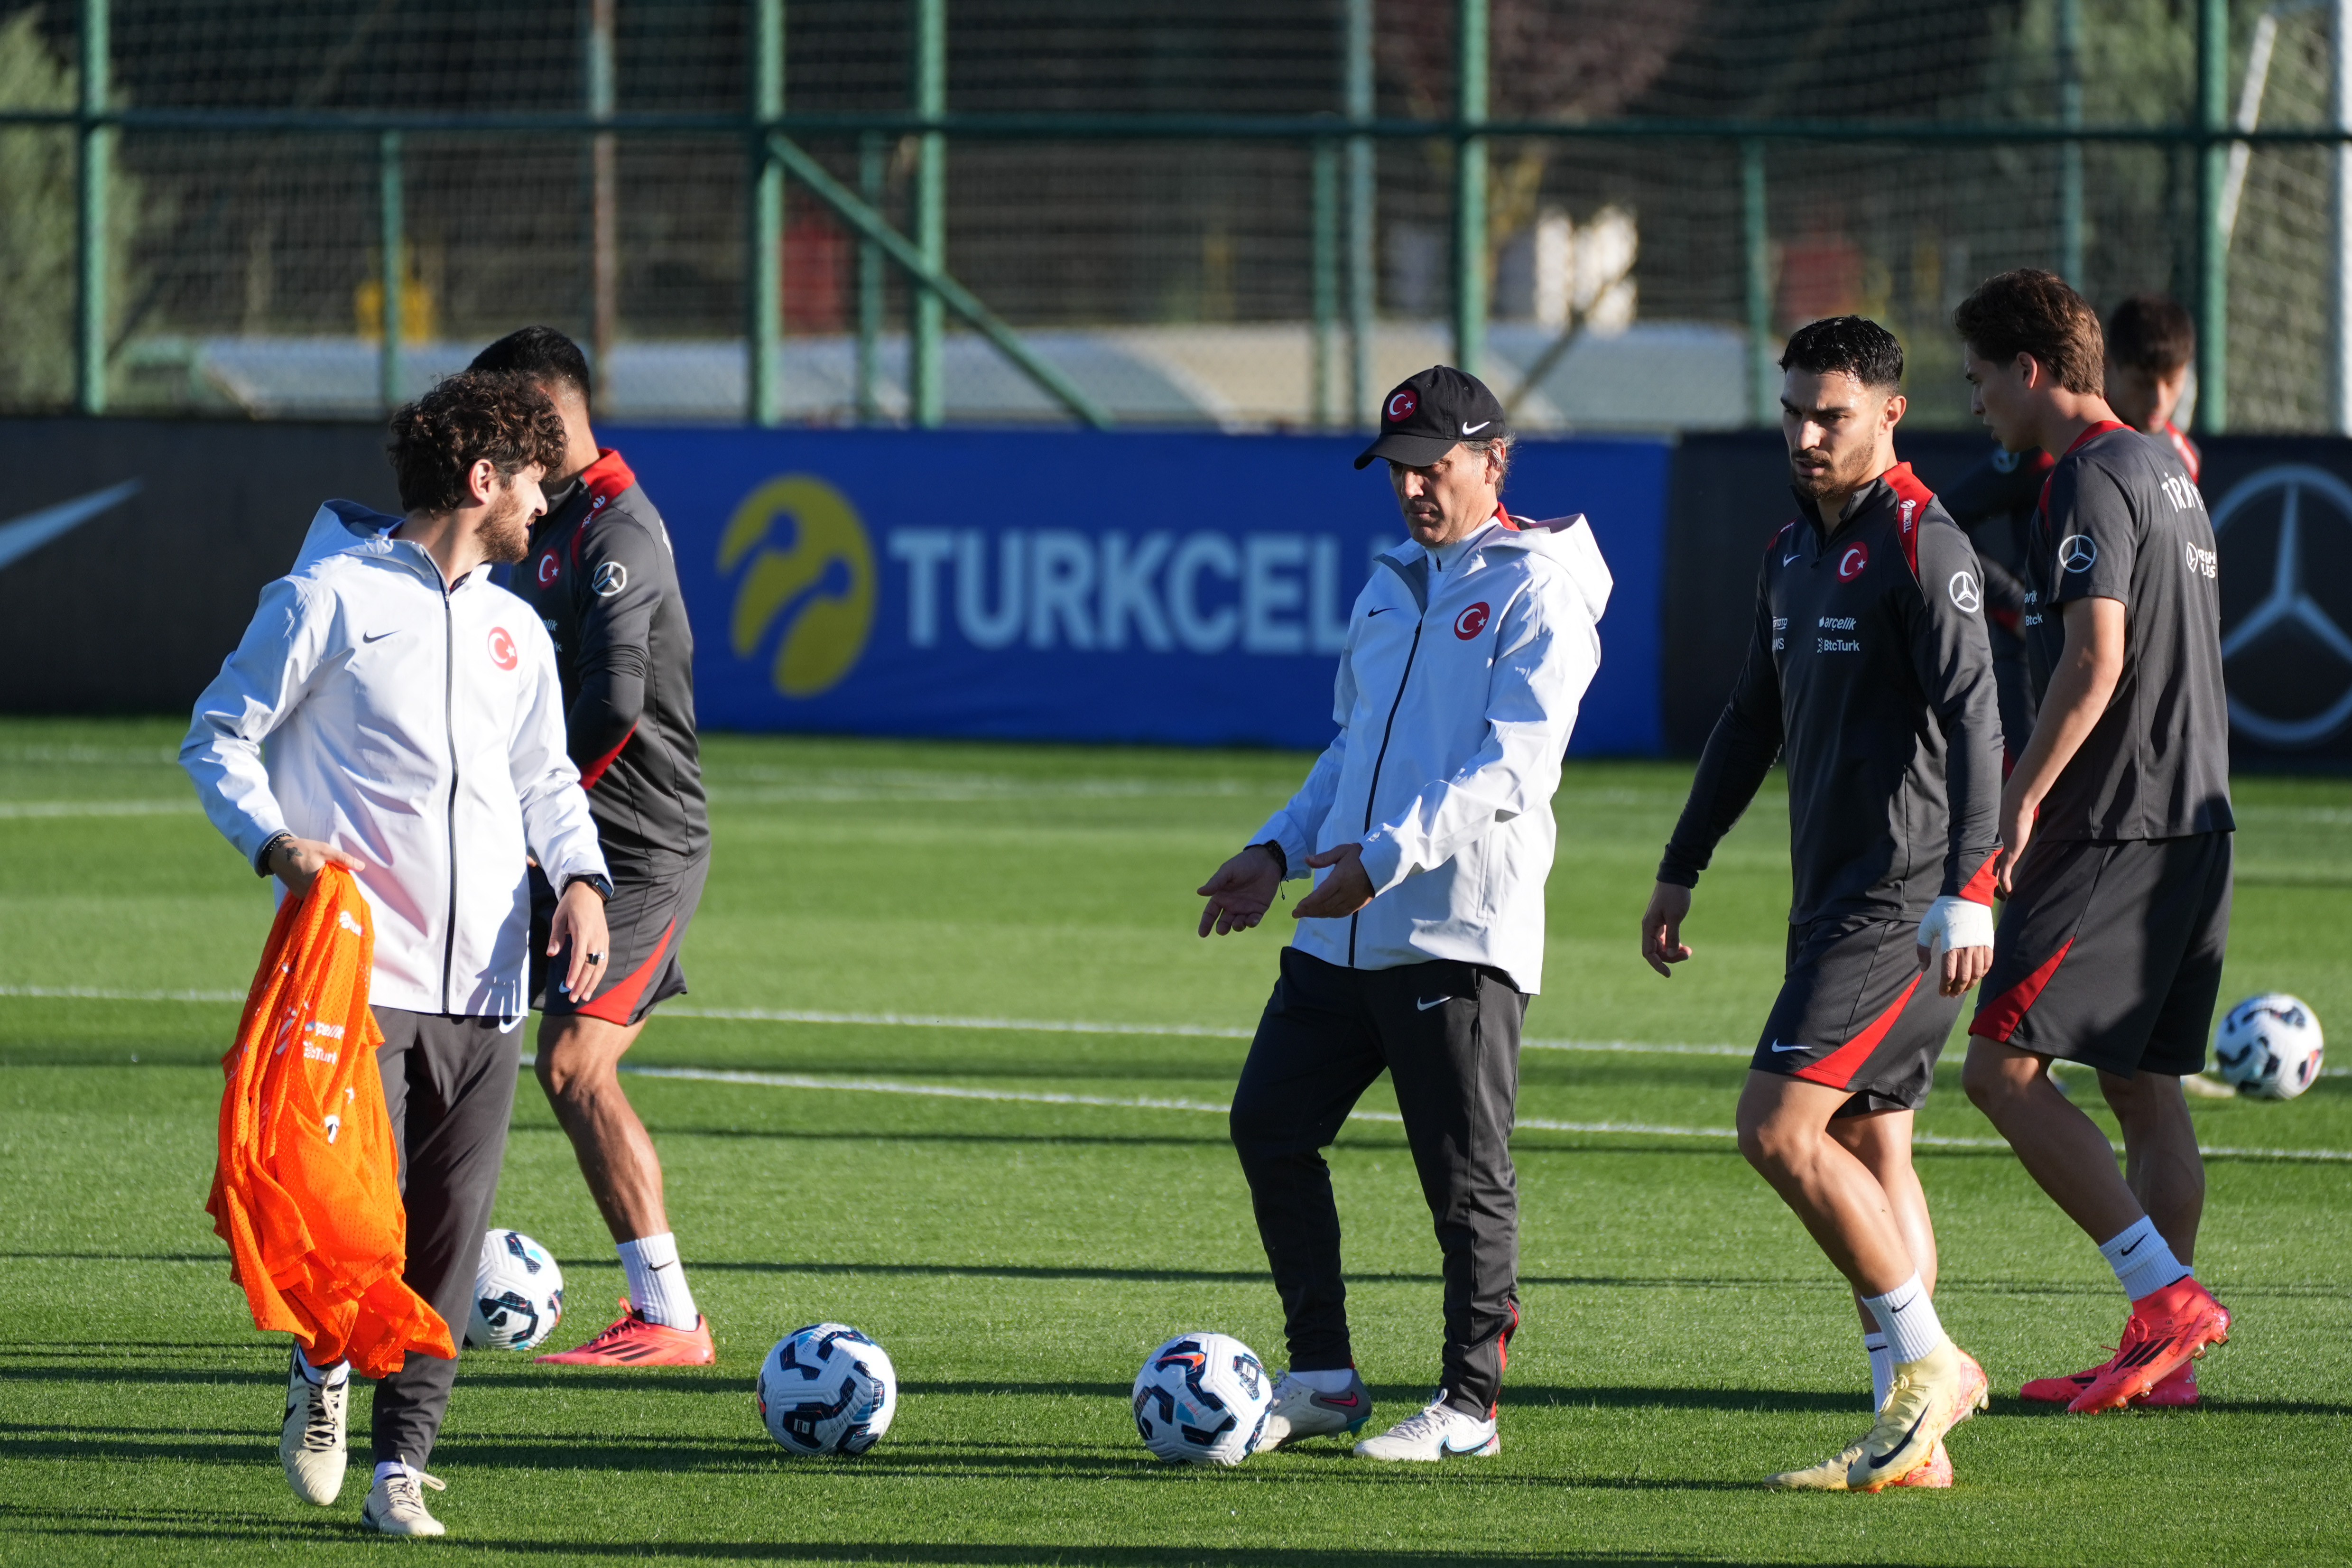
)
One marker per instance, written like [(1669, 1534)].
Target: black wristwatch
[(261, 860), (598, 884)]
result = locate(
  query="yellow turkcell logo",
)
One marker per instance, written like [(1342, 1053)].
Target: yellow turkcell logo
[(815, 572)]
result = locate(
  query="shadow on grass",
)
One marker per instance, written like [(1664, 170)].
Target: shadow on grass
[(182, 1525)]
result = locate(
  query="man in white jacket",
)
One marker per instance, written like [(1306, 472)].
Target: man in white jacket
[(1429, 819), (415, 734)]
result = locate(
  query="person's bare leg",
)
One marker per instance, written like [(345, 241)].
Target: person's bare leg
[(579, 1067), (2162, 1165), (1784, 1132), (2061, 1148), (1881, 1142)]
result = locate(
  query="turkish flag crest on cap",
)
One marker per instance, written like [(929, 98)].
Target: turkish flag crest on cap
[(1401, 406)]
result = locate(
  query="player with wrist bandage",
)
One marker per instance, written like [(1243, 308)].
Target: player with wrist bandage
[(1870, 674)]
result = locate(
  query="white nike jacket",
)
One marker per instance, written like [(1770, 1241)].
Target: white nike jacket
[(422, 731), (1458, 688)]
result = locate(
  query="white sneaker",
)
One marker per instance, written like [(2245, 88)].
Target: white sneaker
[(1437, 1432), (397, 1506), (1300, 1411), (311, 1442)]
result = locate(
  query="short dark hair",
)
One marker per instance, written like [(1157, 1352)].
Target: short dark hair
[(1855, 346), (542, 354), (437, 440), (2152, 332), (2030, 311)]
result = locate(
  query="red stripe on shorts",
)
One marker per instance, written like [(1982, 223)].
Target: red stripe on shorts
[(1838, 1068), (2000, 1019), (614, 1003)]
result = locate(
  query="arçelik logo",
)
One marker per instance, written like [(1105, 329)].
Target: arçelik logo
[(813, 575)]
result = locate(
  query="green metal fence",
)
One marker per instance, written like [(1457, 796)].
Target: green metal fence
[(1341, 221)]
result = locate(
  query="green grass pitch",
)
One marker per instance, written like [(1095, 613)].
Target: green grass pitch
[(1018, 1256)]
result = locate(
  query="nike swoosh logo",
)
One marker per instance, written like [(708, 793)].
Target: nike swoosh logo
[(21, 536), (1888, 1457), (1339, 1403), (1786, 559), (1446, 1447), (1779, 1046), (1425, 1006), (1384, 610), (1898, 1312), (1470, 429), (2133, 1246), (378, 636)]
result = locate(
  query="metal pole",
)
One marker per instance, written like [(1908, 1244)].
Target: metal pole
[(97, 151), (763, 275), (604, 265), (924, 393), (1765, 396), (872, 157), (2070, 153), (1326, 271), (2213, 249), (1360, 211), (2342, 153), (1470, 190), (393, 229)]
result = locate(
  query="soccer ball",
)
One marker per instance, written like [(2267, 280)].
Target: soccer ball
[(1202, 1399), (2269, 1047), (518, 1294), (828, 1389)]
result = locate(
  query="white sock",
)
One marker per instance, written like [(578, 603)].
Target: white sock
[(2142, 1259), (322, 1376), (390, 1467), (658, 1281), (1909, 1319), (1881, 1367), (1329, 1381)]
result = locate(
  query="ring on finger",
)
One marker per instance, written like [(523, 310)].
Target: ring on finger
[(595, 958)]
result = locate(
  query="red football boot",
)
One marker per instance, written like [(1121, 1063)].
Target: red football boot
[(2168, 1329), (634, 1341)]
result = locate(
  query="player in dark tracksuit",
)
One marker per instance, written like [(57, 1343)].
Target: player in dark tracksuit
[(2115, 826), (601, 577), (1995, 502), (1870, 672)]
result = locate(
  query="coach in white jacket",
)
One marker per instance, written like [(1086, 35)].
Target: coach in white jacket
[(391, 711), (1429, 819)]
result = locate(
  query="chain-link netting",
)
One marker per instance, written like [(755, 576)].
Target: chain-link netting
[(1175, 281)]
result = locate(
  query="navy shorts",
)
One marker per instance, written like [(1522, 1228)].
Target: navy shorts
[(1856, 1013)]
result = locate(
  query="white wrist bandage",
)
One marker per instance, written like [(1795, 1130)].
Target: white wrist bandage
[(1954, 922)]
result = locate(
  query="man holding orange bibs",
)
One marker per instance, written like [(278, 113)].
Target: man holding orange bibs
[(415, 734)]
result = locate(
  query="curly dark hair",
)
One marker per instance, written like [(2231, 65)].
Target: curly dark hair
[(1855, 346), (2030, 311), (437, 440)]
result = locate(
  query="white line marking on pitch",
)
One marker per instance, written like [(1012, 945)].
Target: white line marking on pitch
[(1047, 1097), (1071, 1027)]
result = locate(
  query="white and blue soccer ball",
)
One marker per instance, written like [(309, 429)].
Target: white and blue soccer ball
[(828, 1389), (2269, 1047), (518, 1294), (1202, 1399)]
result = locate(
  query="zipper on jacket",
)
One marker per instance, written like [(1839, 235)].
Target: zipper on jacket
[(449, 728), (1373, 790)]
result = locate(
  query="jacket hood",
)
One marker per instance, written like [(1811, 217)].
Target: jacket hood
[(1568, 542), (344, 527)]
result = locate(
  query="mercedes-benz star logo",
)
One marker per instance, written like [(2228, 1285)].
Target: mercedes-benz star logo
[(1963, 589), (2305, 496), (2077, 553)]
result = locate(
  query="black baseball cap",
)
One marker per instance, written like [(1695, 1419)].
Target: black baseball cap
[(1429, 414)]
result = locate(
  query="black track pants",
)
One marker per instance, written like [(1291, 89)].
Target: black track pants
[(449, 1083), (1448, 1035)]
